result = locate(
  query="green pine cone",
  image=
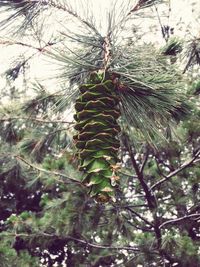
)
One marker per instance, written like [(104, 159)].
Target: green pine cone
[(97, 138)]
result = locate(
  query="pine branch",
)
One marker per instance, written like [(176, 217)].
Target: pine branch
[(39, 49), (49, 172), (142, 4), (71, 238), (35, 119), (152, 204), (145, 159), (103, 246), (74, 14), (26, 9), (182, 167), (151, 200), (194, 54), (136, 226), (139, 216), (191, 57), (174, 221)]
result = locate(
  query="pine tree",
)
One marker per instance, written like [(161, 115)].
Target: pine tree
[(122, 148)]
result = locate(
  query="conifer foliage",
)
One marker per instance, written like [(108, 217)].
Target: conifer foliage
[(99, 162)]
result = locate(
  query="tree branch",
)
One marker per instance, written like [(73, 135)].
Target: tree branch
[(152, 204), (68, 238), (139, 216), (151, 200), (49, 172), (179, 219), (182, 167), (102, 246), (74, 14), (136, 225), (145, 159), (35, 119), (39, 49)]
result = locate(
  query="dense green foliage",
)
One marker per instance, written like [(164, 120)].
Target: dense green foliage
[(44, 211), (47, 214)]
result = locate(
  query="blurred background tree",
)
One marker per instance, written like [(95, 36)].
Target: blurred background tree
[(47, 217)]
